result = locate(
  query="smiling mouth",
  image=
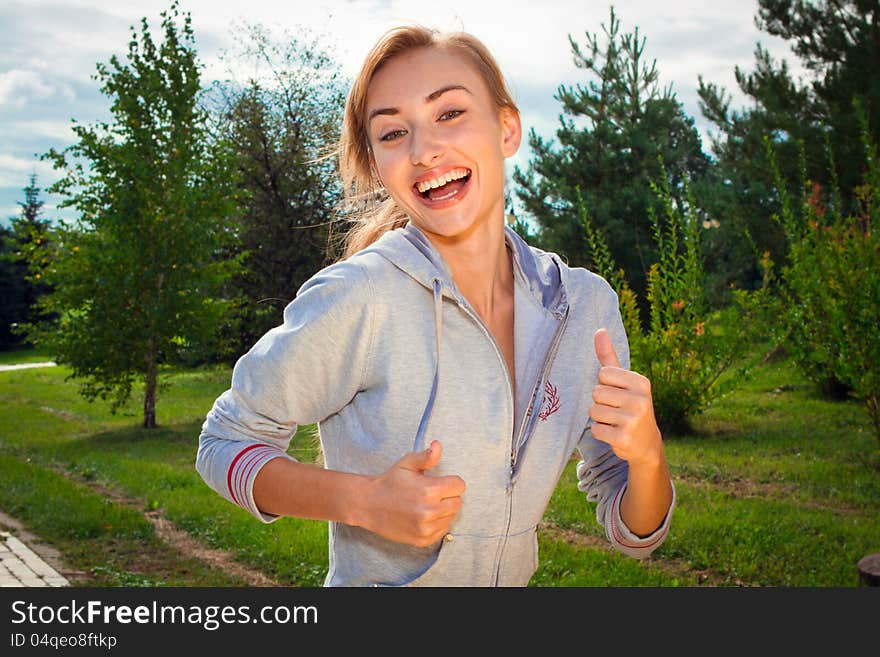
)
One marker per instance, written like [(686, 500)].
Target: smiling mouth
[(446, 191)]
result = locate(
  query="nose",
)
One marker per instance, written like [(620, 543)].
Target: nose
[(424, 148)]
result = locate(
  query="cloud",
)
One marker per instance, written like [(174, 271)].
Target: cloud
[(14, 171), (66, 37), (22, 87), (58, 131)]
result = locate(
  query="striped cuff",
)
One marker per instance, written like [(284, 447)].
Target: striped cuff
[(243, 471), (625, 541)]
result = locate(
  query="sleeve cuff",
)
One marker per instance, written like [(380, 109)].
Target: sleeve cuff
[(625, 541), (243, 472)]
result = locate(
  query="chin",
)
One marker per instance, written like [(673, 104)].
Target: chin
[(447, 227)]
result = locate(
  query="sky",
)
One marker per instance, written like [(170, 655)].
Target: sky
[(50, 49)]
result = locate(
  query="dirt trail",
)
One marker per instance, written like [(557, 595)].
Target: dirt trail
[(673, 567), (189, 546), (746, 488), (183, 542)]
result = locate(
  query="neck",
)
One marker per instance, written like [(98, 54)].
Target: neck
[(480, 265)]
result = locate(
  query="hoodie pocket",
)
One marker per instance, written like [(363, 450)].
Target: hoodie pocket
[(437, 570), (433, 571), (460, 560)]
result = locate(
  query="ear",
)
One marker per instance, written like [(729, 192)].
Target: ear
[(511, 131)]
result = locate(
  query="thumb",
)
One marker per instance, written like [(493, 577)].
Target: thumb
[(424, 460), (604, 349)]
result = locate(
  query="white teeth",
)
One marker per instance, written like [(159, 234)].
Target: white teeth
[(455, 174)]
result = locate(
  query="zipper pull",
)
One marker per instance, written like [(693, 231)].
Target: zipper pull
[(511, 473)]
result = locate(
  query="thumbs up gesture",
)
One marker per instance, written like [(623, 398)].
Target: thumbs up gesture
[(623, 411), (409, 506)]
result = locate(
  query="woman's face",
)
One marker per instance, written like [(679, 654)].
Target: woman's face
[(439, 141)]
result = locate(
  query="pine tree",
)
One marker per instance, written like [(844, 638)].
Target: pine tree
[(612, 131), (26, 240), (32, 208), (13, 272), (838, 44)]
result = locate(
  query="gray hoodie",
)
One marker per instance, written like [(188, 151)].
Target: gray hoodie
[(385, 354)]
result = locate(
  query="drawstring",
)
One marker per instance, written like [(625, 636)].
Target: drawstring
[(418, 445)]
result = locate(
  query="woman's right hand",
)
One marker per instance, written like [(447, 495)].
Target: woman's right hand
[(408, 506)]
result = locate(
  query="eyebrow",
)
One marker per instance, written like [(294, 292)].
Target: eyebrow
[(434, 95)]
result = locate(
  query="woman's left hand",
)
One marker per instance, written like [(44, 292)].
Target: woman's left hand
[(623, 410)]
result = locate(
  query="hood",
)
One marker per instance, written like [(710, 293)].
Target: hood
[(409, 249)]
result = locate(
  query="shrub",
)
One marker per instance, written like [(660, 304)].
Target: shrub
[(683, 347), (831, 284)]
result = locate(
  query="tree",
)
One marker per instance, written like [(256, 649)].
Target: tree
[(27, 239), (13, 308), (135, 277), (611, 134), (282, 122), (838, 44)]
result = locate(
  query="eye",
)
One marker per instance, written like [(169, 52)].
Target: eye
[(389, 136), (451, 114)]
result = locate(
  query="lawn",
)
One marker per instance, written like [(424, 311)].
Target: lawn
[(18, 356), (776, 487)]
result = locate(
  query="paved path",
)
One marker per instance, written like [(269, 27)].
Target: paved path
[(26, 560), (24, 366), (21, 566)]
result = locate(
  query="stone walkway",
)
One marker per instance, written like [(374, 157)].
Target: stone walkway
[(26, 560), (21, 566)]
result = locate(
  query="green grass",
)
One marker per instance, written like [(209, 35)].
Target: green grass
[(776, 486), (84, 525), (45, 423), (23, 355)]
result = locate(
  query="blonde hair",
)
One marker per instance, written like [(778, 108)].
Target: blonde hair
[(365, 202)]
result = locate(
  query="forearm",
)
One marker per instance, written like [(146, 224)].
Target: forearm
[(289, 488), (647, 497)]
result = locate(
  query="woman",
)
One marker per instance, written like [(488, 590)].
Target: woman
[(449, 365)]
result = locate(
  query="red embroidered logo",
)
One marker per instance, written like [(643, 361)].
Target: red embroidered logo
[(550, 402)]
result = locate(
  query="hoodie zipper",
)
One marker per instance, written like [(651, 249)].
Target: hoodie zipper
[(528, 421), (548, 362), (512, 421), (516, 443)]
